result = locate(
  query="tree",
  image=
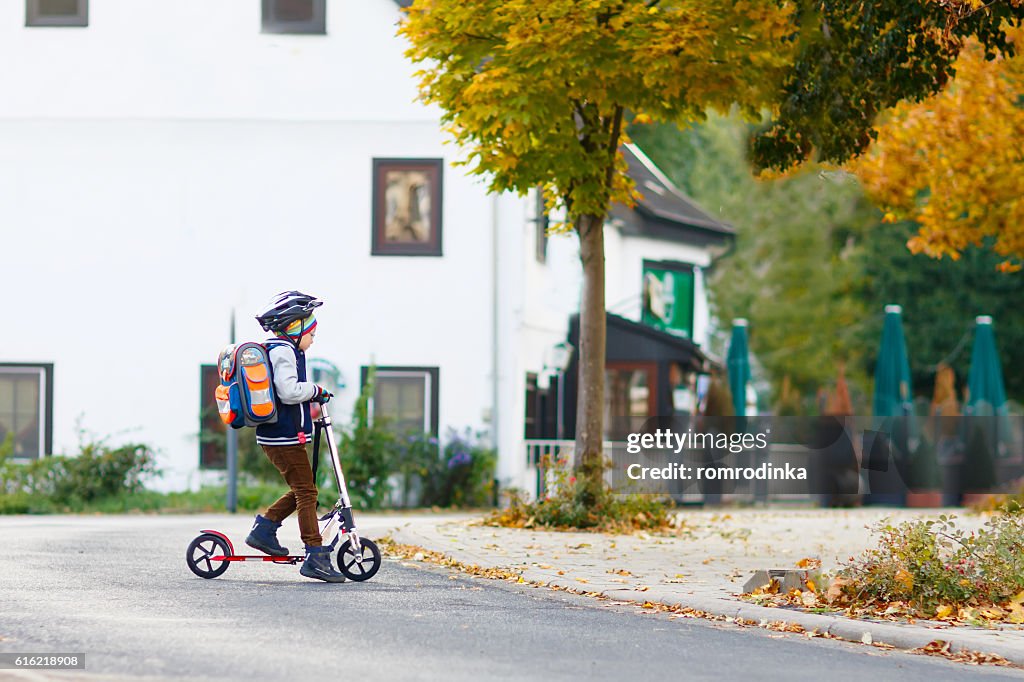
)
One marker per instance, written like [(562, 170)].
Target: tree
[(940, 300), (954, 163), (857, 59), (794, 270), (537, 91)]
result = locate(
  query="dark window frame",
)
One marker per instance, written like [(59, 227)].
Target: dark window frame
[(35, 20), (435, 385), (315, 26), (434, 246), (47, 426)]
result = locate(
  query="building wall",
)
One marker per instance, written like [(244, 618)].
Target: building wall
[(624, 275), (150, 184), (170, 163)]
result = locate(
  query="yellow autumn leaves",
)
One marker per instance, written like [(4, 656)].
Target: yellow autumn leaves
[(954, 163)]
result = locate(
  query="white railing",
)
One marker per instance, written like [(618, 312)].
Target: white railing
[(543, 457)]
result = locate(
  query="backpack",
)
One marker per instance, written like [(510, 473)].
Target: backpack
[(245, 396)]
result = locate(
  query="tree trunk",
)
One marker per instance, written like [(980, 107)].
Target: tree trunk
[(590, 396)]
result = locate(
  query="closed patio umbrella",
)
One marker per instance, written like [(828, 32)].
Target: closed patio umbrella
[(893, 415), (986, 396), (892, 372), (987, 433), (738, 365)]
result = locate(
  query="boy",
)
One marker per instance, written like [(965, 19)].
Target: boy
[(290, 317)]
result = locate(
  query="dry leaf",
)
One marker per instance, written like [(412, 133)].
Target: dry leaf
[(809, 562), (836, 591), (1016, 615), (904, 578)]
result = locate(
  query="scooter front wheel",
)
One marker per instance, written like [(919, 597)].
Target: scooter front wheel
[(361, 567), (198, 554)]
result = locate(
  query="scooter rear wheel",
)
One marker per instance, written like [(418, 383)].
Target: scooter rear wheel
[(350, 564), (198, 554)]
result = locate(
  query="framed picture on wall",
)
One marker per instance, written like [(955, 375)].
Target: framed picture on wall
[(407, 196)]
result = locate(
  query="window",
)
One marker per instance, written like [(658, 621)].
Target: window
[(211, 429), (530, 429), (407, 197), (630, 397), (668, 297), (406, 397), (295, 16), (26, 408), (57, 12)]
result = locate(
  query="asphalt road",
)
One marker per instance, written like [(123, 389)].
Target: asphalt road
[(117, 589)]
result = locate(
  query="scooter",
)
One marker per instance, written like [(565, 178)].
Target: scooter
[(211, 552)]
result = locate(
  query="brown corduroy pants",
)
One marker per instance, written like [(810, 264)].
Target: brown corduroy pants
[(293, 463)]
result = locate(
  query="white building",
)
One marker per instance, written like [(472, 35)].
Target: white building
[(164, 164)]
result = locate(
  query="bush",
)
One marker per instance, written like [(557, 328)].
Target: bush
[(979, 462), (98, 472), (465, 474), (931, 563), (566, 508), (924, 468), (368, 454)]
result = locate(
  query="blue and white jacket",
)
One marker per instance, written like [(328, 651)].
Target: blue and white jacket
[(294, 426)]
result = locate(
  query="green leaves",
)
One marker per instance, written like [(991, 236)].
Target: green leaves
[(532, 90), (857, 59)]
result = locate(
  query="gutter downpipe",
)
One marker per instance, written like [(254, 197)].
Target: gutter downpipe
[(494, 323)]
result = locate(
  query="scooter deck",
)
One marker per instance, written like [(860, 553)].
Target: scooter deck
[(290, 559)]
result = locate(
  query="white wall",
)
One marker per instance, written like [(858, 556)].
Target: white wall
[(150, 183), (169, 163), (624, 275), (197, 59)]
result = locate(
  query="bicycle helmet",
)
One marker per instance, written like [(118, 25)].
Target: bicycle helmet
[(285, 308)]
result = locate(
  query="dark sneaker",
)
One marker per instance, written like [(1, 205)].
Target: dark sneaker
[(263, 537), (318, 565)]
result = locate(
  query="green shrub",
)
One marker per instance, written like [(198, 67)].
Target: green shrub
[(929, 563), (979, 462), (567, 508), (466, 476), (368, 454), (419, 463), (924, 468), (97, 472)]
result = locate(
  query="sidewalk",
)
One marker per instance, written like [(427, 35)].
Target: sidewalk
[(706, 566)]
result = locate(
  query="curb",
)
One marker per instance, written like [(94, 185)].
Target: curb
[(899, 636)]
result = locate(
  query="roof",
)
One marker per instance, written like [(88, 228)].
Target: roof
[(630, 340), (664, 210)]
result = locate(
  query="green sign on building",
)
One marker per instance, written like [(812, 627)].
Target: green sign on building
[(668, 297)]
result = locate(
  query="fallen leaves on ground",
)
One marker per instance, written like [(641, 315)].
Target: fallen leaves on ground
[(674, 611), (839, 597), (939, 647)]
